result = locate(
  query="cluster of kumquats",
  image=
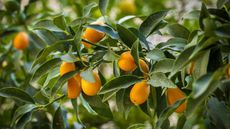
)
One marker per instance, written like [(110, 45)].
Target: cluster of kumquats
[(139, 92)]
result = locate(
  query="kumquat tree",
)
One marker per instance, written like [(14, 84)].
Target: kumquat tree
[(114, 64)]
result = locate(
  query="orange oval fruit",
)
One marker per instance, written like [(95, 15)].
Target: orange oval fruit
[(139, 93), (21, 41), (144, 67), (127, 6), (173, 95), (126, 62), (93, 35), (66, 67), (74, 88), (91, 88)]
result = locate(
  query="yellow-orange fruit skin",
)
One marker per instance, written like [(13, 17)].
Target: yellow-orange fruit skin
[(126, 62), (144, 67), (228, 71), (139, 93), (127, 6), (90, 88), (73, 89), (173, 95), (66, 67), (92, 35), (21, 41)]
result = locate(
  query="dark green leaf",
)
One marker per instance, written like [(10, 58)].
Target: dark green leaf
[(58, 120), (23, 120), (219, 113), (60, 22), (119, 83), (45, 67), (16, 93), (151, 22), (223, 31), (167, 112), (178, 30), (87, 106), (127, 37)]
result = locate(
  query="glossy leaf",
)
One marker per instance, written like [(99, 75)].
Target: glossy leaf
[(127, 37), (151, 22), (155, 54), (58, 120), (178, 30), (160, 80), (45, 67), (16, 93), (119, 83)]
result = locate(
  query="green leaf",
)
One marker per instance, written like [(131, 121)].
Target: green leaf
[(167, 112), (60, 22), (22, 110), (203, 14), (127, 37), (16, 93), (98, 106), (87, 9), (103, 6), (119, 83), (151, 22), (45, 68), (221, 3), (27, 117), (87, 106), (12, 5), (160, 80), (106, 29), (212, 82), (181, 61), (110, 56), (178, 30), (164, 65), (181, 122), (176, 44), (137, 126), (123, 102), (48, 25), (116, 69), (109, 95), (88, 75), (135, 53), (126, 18), (69, 58), (223, 31), (58, 120), (155, 54), (43, 55), (76, 109), (219, 113), (143, 41)]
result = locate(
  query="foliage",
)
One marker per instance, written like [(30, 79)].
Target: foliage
[(33, 94)]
